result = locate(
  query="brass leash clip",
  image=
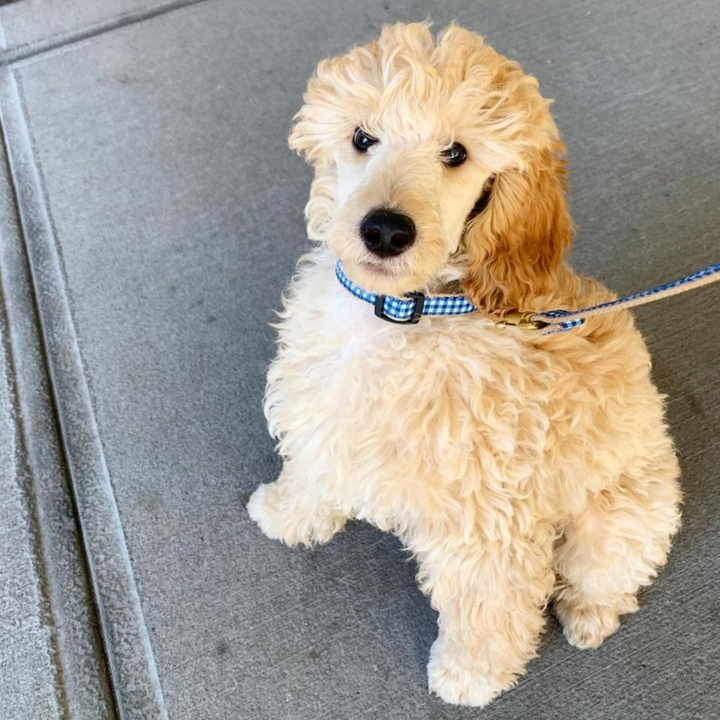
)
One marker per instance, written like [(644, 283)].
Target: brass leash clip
[(522, 320)]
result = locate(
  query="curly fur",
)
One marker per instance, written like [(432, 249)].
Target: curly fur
[(516, 468)]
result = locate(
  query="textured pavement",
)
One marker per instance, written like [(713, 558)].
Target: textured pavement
[(150, 215)]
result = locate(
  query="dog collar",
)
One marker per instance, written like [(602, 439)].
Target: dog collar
[(409, 309)]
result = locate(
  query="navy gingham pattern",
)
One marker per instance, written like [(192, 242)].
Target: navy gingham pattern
[(403, 308), (570, 324)]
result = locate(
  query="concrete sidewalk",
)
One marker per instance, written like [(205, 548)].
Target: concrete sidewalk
[(150, 214)]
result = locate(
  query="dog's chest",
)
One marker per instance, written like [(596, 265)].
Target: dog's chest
[(374, 409)]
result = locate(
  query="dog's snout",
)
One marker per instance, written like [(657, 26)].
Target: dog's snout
[(387, 233)]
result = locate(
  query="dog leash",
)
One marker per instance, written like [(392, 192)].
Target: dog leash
[(554, 321)]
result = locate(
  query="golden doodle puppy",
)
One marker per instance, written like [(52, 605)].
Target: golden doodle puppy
[(517, 468)]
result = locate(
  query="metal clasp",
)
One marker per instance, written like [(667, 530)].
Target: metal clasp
[(520, 320), (414, 318)]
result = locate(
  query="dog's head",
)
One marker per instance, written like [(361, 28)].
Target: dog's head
[(435, 162)]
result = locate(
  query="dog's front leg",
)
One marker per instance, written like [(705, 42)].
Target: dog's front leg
[(295, 510), (491, 602)]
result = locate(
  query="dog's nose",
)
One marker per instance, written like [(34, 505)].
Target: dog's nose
[(387, 233)]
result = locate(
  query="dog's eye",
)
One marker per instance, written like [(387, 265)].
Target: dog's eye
[(455, 155), (362, 141)]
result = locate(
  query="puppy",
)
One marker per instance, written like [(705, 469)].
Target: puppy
[(517, 468)]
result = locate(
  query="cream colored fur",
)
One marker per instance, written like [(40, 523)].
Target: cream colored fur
[(516, 468)]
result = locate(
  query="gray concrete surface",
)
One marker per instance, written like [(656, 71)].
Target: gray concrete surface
[(152, 215)]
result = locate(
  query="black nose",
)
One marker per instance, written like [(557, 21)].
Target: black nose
[(387, 233)]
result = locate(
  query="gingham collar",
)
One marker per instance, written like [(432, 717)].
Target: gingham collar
[(409, 309)]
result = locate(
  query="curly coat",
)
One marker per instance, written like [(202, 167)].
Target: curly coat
[(517, 469)]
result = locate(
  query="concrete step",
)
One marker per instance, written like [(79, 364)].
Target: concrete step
[(153, 215)]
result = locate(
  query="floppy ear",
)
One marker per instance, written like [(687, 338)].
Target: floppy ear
[(517, 242), (340, 91), (308, 136)]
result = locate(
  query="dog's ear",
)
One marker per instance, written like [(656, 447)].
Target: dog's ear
[(517, 241), (307, 137), (339, 87)]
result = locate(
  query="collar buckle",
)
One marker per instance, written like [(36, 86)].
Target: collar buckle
[(414, 319)]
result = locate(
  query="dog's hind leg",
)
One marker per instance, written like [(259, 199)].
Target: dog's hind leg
[(293, 510), (613, 548)]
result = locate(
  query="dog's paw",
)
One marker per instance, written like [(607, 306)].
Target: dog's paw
[(457, 685), (279, 521), (586, 625)]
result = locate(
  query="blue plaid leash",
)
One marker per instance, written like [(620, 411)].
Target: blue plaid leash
[(409, 309)]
